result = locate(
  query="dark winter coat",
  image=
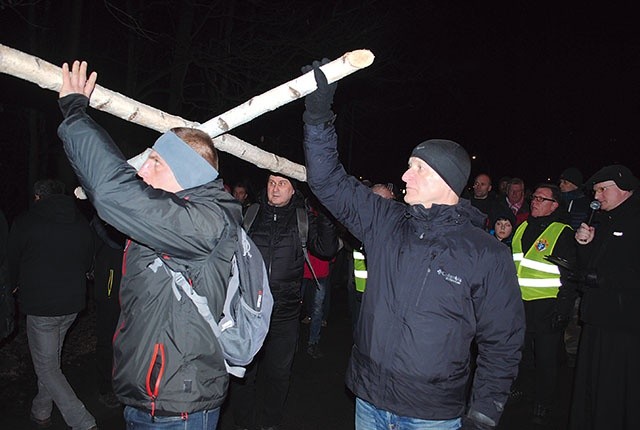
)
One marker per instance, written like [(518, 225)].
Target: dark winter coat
[(275, 233), (613, 256), (50, 252), (436, 282), (163, 348)]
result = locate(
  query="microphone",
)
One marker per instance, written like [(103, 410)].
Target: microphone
[(594, 205)]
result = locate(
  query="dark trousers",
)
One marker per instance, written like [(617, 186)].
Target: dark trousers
[(542, 353), (260, 396)]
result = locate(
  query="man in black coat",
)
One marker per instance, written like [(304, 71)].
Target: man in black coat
[(50, 252), (607, 377), (436, 282), (275, 233)]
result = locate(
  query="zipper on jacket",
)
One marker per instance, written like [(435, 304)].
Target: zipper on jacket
[(271, 234), (158, 352), (124, 257)]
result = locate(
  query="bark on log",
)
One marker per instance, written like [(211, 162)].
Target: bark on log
[(48, 76), (287, 92)]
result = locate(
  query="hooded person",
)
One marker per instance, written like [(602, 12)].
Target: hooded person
[(504, 225)]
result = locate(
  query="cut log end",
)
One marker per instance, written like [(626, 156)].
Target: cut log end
[(360, 58)]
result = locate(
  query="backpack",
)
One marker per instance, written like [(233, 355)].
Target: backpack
[(302, 220), (247, 307)]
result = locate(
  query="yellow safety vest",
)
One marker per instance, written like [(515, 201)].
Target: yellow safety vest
[(359, 270), (538, 278)]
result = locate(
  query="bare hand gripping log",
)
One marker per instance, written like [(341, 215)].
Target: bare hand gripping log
[(46, 75)]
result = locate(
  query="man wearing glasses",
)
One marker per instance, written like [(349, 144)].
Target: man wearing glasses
[(547, 294), (607, 377)]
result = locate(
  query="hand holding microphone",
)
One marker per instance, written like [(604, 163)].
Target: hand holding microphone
[(586, 231)]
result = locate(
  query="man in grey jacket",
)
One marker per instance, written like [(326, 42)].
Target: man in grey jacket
[(168, 367), (436, 283)]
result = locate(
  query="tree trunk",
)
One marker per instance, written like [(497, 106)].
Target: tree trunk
[(46, 75)]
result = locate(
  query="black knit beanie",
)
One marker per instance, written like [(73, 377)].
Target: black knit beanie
[(448, 159)]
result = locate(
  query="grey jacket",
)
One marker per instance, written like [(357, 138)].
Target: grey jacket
[(166, 359)]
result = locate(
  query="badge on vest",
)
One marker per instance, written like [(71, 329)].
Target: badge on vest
[(541, 244)]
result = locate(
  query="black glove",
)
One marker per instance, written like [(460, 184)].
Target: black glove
[(469, 423), (318, 103)]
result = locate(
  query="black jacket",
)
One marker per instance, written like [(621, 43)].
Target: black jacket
[(613, 256), (165, 355), (436, 282), (50, 252), (275, 233)]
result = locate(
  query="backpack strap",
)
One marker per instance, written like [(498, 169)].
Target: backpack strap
[(303, 232), (250, 216)]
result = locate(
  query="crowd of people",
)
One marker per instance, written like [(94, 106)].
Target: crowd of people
[(463, 299)]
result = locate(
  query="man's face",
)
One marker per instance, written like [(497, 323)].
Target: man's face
[(566, 186), (503, 228), (157, 173), (502, 186), (515, 193), (481, 187), (609, 195), (279, 191), (240, 194), (424, 185), (542, 203)]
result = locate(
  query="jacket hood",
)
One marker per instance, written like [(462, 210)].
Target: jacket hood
[(58, 208), (459, 213), (220, 195)]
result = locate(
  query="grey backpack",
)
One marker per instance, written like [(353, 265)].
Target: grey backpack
[(247, 307)]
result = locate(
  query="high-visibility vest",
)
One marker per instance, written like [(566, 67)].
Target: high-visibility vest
[(538, 278), (359, 270)]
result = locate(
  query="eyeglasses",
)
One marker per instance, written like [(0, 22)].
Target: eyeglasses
[(541, 199), (601, 189)]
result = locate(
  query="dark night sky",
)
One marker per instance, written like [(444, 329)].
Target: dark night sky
[(528, 88)]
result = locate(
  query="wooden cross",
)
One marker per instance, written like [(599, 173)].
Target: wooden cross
[(46, 75)]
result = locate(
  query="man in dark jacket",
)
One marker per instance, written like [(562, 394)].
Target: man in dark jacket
[(168, 366), (548, 296), (575, 201), (436, 282), (275, 233), (605, 394), (50, 250)]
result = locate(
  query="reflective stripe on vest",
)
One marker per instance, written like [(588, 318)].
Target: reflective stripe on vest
[(359, 270), (538, 278)]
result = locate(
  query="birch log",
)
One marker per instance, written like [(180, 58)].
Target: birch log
[(48, 76), (296, 88)]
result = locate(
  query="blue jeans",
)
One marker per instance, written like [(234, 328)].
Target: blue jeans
[(137, 419), (368, 417), (46, 336), (319, 291)]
